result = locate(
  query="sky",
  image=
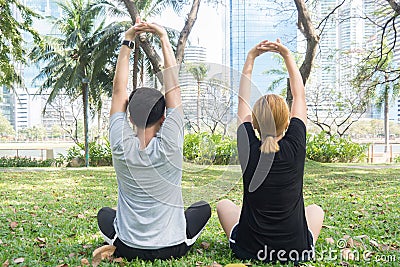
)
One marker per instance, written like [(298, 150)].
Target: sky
[(207, 31)]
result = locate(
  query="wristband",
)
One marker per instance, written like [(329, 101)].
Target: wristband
[(130, 44)]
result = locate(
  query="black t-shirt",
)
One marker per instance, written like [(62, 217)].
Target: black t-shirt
[(272, 214)]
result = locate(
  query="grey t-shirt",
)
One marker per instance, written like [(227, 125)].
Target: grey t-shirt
[(150, 212)]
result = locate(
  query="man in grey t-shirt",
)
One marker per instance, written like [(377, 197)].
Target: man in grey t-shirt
[(150, 221)]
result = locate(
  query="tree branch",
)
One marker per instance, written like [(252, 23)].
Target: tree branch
[(154, 58), (395, 6), (189, 23), (308, 30), (325, 19)]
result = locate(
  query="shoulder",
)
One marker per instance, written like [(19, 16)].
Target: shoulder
[(171, 132), (246, 135), (296, 124), (117, 115), (246, 126), (174, 112), (296, 132)]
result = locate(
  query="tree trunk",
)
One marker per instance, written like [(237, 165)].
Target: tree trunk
[(141, 70), (135, 64), (395, 6), (85, 98), (98, 125), (386, 116), (183, 36), (198, 107), (289, 96), (149, 50), (306, 27)]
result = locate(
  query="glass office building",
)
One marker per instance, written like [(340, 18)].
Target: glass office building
[(24, 107), (249, 22)]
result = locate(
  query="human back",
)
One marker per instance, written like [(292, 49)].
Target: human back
[(273, 216), (272, 210), (150, 221), (149, 182)]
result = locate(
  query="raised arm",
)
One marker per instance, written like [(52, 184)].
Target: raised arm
[(119, 100), (171, 70), (244, 109), (299, 107)]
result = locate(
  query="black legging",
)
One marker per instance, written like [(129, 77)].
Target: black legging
[(197, 215)]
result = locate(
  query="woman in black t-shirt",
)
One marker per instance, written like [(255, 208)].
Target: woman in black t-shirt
[(273, 224)]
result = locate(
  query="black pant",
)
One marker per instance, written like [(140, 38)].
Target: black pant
[(197, 215)]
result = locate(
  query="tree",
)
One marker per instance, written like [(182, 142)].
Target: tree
[(335, 112), (216, 105), (5, 126), (388, 17), (377, 76), (80, 58), (199, 72), (69, 113), (146, 44), (11, 39), (34, 133), (56, 131), (377, 72)]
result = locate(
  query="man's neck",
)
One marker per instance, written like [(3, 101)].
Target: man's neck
[(145, 135)]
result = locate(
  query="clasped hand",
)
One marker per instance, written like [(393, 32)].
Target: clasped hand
[(142, 26), (269, 46)]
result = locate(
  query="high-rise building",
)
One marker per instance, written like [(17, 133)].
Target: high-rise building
[(22, 106), (345, 35), (194, 56), (379, 12), (205, 84), (246, 24)]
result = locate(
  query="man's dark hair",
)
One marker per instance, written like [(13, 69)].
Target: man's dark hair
[(146, 106)]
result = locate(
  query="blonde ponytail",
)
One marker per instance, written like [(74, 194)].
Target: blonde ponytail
[(269, 145), (270, 119)]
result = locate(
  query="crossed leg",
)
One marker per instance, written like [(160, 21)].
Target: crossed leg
[(315, 218), (228, 215)]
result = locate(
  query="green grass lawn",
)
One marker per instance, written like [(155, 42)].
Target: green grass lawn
[(48, 218)]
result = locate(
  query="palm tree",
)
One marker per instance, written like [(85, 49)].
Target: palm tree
[(147, 9), (388, 92), (80, 57), (199, 72), (12, 41), (151, 8), (377, 76)]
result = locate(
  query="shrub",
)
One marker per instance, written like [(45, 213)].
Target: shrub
[(397, 159), (205, 148), (325, 148), (99, 155), (26, 162)]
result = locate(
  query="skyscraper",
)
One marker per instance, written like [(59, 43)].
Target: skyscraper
[(196, 56), (249, 22), (345, 35), (379, 12), (23, 106)]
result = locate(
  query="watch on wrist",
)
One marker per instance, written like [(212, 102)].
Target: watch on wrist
[(130, 44)]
